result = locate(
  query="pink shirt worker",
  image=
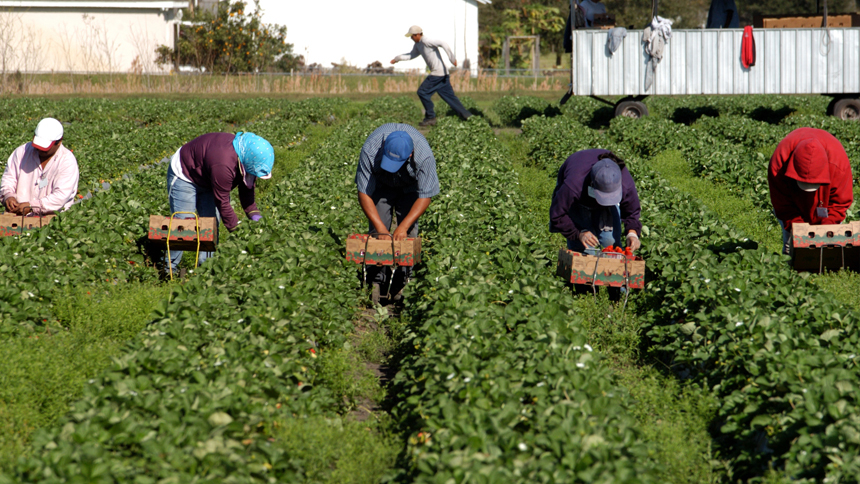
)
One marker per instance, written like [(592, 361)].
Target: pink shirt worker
[(41, 177)]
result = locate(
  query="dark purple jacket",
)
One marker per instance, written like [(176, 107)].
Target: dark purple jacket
[(211, 162), (574, 178)]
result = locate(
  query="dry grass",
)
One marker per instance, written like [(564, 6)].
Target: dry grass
[(134, 83)]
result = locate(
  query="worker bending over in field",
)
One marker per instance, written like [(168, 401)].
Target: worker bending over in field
[(810, 181), (204, 171), (438, 80), (594, 192), (396, 175), (41, 176)]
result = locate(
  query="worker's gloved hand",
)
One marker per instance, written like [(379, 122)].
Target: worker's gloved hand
[(255, 216), (633, 241), (588, 239)]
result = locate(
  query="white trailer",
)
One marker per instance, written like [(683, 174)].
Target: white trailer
[(788, 61)]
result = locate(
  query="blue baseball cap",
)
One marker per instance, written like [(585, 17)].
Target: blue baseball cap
[(396, 150), (606, 182)]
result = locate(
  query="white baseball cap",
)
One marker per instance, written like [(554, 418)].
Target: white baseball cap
[(808, 187), (414, 30), (48, 132)]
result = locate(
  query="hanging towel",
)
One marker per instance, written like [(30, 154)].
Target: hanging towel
[(748, 48), (615, 38), (655, 37)]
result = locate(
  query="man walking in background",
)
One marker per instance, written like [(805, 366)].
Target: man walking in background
[(439, 80)]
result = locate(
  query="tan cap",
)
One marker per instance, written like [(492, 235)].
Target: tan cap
[(808, 187), (414, 30)]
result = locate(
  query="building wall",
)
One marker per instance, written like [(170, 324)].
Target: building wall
[(361, 32), (83, 40)]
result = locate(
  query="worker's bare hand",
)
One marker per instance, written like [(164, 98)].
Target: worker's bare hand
[(454, 62), (24, 209), (633, 241), (400, 233), (394, 61), (12, 204), (588, 239)]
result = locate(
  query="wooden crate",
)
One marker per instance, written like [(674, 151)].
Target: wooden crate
[(603, 270), (10, 224), (805, 21), (361, 248), (825, 247), (36, 221), (183, 232)]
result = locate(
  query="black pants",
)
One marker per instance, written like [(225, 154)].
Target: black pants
[(389, 202)]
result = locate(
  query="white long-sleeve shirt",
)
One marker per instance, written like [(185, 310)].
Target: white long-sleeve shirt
[(429, 50), (50, 190)]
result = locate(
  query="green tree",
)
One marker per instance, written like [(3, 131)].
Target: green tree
[(231, 40), (528, 19), (495, 23)]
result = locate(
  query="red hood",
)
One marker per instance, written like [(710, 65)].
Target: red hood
[(808, 163)]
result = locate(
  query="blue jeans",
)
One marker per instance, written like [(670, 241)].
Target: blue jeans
[(787, 243), (442, 86), (188, 197), (604, 223), (389, 202)]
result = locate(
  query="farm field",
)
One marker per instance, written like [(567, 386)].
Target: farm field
[(269, 364)]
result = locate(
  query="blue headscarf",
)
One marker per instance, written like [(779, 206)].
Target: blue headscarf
[(255, 154)]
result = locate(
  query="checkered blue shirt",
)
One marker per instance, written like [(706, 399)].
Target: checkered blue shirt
[(423, 170)]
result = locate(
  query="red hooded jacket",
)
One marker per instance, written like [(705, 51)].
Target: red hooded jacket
[(813, 156)]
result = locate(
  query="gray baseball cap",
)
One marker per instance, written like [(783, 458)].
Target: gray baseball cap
[(414, 30), (606, 182)]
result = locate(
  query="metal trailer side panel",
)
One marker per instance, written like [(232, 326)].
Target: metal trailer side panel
[(757, 71), (818, 61), (834, 61), (678, 63), (615, 77), (851, 63), (787, 62), (694, 62), (663, 78), (725, 62), (587, 69), (710, 59), (803, 62), (771, 61), (633, 80), (740, 73)]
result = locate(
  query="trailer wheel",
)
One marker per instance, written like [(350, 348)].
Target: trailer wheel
[(631, 109), (847, 109)]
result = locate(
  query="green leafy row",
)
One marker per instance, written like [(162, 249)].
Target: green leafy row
[(776, 351), (200, 394), (502, 385)]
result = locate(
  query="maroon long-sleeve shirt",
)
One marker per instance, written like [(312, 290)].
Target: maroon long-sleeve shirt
[(571, 189), (211, 162)]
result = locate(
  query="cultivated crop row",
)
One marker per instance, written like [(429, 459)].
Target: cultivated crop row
[(503, 385), (778, 353)]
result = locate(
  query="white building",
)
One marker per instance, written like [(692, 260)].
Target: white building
[(122, 35), (361, 32), (85, 36)]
